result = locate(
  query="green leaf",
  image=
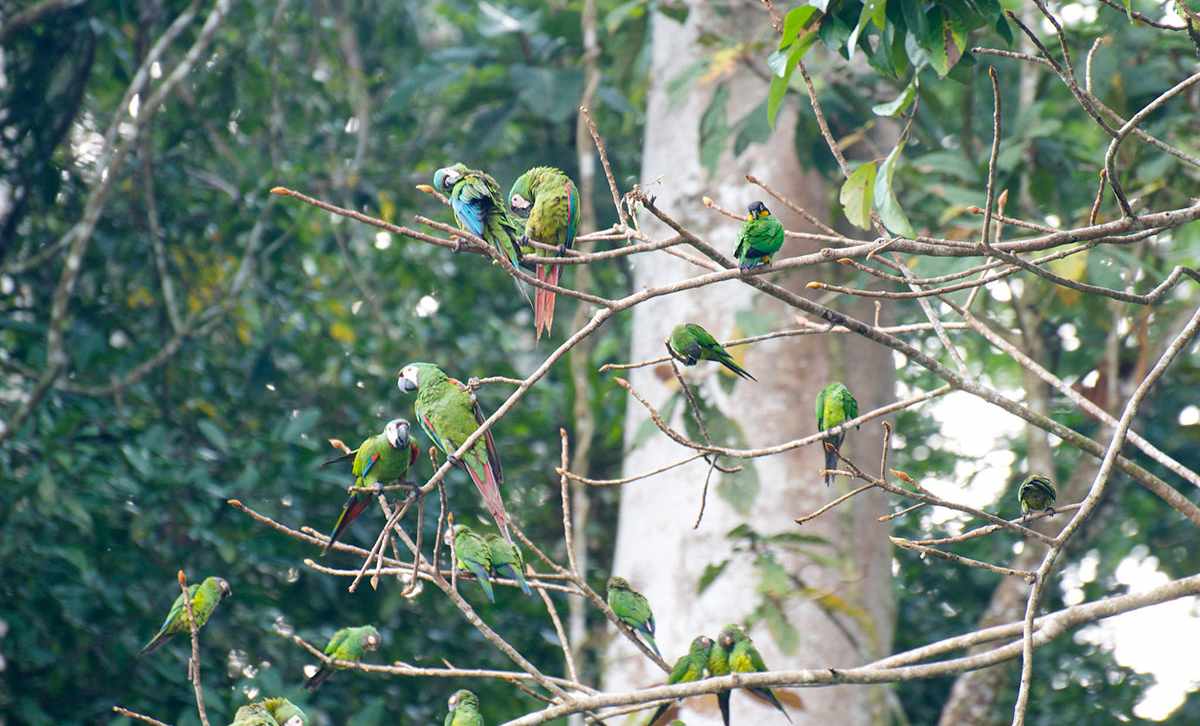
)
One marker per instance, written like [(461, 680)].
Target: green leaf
[(754, 128), (550, 93), (779, 83), (890, 212), (773, 580), (1004, 30), (785, 634), (796, 20), (215, 436), (740, 488), (710, 575), (714, 129), (934, 41), (856, 195), (901, 102)]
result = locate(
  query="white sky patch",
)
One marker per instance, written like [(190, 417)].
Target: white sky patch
[(975, 430), (1189, 416), (135, 104), (999, 291), (1137, 638), (383, 240), (426, 306), (156, 70), (1069, 336)]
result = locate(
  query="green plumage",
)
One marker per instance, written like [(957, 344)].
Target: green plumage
[(688, 669), (472, 554), (718, 665), (205, 597), (349, 644), (633, 609), (745, 658), (1037, 494), (761, 237), (690, 343), (285, 712), (254, 714), (449, 414), (479, 208), (549, 201), (835, 406), (463, 710), (379, 459), (507, 561)]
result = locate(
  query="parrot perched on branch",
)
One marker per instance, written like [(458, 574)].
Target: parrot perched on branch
[(1037, 494), (472, 554), (378, 459), (205, 597), (449, 413), (835, 406), (463, 710), (745, 658), (718, 665), (479, 208), (633, 609), (761, 237), (507, 561), (349, 644), (270, 712), (548, 200), (253, 714), (688, 669), (689, 343)]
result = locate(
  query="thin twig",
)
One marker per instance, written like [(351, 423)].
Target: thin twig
[(194, 663)]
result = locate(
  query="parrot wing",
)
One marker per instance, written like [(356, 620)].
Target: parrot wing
[(336, 641), (821, 409), (470, 203)]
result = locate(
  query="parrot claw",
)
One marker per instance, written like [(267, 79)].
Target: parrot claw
[(562, 250), (473, 383), (454, 460)]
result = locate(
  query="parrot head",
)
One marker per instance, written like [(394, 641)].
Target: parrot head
[(757, 210), (731, 635), (445, 178), (701, 645), (396, 432), (222, 587), (462, 698), (453, 532), (412, 374), (372, 638), (520, 198), (618, 583)]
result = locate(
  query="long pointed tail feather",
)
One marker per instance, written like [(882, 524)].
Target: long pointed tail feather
[(649, 638), (353, 507), (769, 696), (737, 369), (831, 456), (155, 643), (723, 705), (658, 713), (489, 489), (513, 573), (485, 582), (543, 307)]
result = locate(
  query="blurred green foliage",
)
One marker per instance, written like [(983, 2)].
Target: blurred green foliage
[(105, 497)]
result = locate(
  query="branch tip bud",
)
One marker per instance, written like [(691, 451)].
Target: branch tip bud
[(814, 285), (281, 191)]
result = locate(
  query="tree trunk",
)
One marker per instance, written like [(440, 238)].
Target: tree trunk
[(657, 548)]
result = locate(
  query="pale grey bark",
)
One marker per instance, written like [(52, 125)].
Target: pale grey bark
[(657, 549)]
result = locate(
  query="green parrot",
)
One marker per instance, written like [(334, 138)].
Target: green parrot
[(1037, 494), (633, 609), (507, 560), (688, 669), (479, 208), (270, 712), (449, 413), (205, 597), (463, 710), (745, 658), (378, 459), (835, 406), (689, 343), (761, 237), (718, 665), (349, 644), (548, 200), (472, 554), (253, 714)]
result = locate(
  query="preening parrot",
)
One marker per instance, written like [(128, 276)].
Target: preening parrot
[(479, 208), (689, 343), (549, 201)]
